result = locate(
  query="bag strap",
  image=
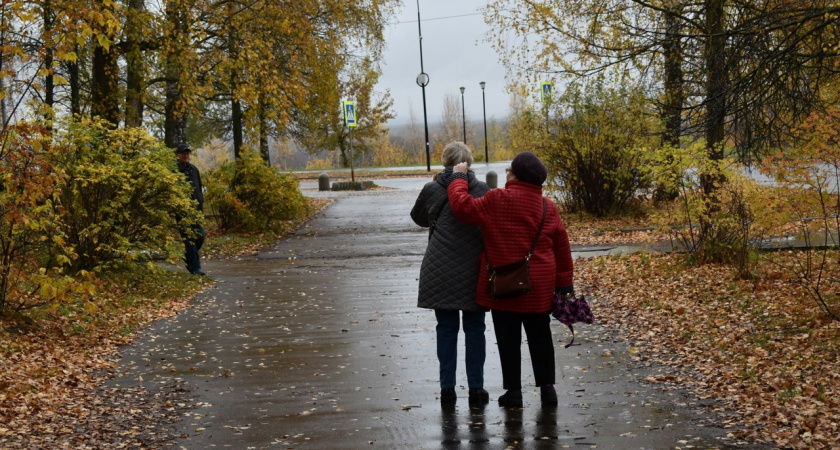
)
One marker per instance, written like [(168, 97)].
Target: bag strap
[(539, 230), (533, 246)]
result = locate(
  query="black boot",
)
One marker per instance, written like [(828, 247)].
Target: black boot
[(448, 396), (478, 397), (511, 399), (548, 395)]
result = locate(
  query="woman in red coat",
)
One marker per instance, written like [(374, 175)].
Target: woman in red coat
[(509, 219)]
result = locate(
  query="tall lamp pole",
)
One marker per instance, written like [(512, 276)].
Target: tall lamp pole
[(422, 81), (464, 115), (484, 109)]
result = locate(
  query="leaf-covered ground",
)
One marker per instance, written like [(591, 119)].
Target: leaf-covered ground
[(624, 230), (761, 348), (53, 366)]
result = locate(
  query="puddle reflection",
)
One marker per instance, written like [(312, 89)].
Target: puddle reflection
[(478, 428), (468, 429), (471, 434), (514, 431), (542, 436), (449, 427), (546, 429)]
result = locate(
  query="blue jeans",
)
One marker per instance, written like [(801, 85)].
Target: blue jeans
[(447, 346), (191, 248)]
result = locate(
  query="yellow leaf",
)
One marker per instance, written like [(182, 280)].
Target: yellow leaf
[(103, 41), (66, 56)]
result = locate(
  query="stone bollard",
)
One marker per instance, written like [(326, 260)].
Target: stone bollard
[(492, 179), (323, 182)]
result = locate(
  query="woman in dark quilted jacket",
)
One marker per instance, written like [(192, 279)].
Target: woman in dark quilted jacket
[(509, 219), (448, 276)]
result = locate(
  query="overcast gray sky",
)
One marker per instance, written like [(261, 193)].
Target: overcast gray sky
[(454, 55)]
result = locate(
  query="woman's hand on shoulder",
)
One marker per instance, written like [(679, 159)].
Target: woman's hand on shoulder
[(460, 168)]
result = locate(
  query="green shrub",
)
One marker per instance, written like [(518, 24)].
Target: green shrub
[(121, 197), (589, 145), (249, 196), (31, 274), (726, 226)]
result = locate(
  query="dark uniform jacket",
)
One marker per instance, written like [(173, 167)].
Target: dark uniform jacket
[(192, 174), (449, 272)]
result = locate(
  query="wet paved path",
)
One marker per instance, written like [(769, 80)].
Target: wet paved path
[(317, 344)]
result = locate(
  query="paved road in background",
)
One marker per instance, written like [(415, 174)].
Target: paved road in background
[(316, 343)]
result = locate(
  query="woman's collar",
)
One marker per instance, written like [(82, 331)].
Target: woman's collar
[(518, 184)]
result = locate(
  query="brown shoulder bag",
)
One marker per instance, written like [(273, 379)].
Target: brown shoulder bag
[(514, 279)]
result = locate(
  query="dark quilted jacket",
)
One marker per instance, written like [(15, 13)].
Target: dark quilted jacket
[(449, 272), (509, 219)]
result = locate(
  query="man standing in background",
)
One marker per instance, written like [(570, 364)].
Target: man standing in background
[(194, 241)]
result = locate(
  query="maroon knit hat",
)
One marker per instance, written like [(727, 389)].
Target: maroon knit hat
[(528, 168)]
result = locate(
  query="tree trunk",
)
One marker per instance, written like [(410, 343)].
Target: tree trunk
[(236, 105), (673, 83), (263, 124), (715, 89), (104, 75), (175, 121), (134, 89), (75, 85), (104, 84), (49, 78), (674, 97), (175, 116), (236, 120), (134, 65)]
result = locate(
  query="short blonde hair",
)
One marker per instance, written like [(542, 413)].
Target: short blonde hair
[(456, 152)]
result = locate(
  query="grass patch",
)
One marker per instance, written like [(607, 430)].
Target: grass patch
[(218, 245), (336, 175)]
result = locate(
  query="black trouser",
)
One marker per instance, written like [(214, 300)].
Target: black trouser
[(191, 247), (508, 328)]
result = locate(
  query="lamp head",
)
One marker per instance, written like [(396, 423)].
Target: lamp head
[(462, 89), (482, 85), (422, 79)]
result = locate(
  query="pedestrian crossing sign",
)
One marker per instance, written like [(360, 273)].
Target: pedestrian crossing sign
[(349, 113), (545, 89)]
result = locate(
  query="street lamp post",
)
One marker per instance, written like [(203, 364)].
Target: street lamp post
[(422, 81), (464, 115), (484, 109)]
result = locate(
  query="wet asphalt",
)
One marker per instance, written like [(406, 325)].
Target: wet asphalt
[(317, 343)]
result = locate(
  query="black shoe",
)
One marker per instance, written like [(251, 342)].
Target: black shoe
[(511, 399), (548, 395), (198, 272), (448, 396), (478, 396)]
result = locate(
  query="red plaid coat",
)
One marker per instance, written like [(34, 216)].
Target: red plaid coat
[(509, 219)]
